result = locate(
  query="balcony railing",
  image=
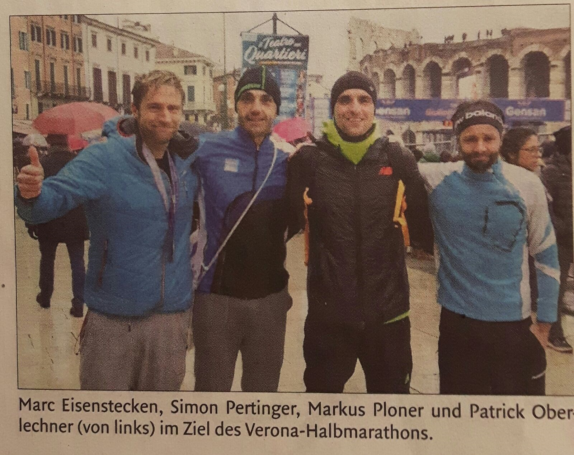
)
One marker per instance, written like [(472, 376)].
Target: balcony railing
[(59, 90)]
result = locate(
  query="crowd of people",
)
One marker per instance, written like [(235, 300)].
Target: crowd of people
[(503, 245)]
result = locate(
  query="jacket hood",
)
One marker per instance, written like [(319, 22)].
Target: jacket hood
[(110, 131), (124, 129)]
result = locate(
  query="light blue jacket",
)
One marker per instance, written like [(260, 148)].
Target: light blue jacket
[(129, 273), (486, 226)]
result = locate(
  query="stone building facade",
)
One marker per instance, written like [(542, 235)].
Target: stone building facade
[(196, 74), (366, 37), (47, 63), (522, 64), (114, 57)]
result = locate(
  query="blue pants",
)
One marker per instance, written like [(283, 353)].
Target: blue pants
[(48, 255)]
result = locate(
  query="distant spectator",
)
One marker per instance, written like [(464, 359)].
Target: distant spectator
[(71, 229), (557, 177)]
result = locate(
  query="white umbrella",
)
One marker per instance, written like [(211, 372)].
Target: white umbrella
[(37, 140)]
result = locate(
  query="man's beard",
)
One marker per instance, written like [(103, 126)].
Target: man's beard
[(479, 166)]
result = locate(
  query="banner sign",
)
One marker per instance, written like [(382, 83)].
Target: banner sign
[(286, 56), (439, 110)]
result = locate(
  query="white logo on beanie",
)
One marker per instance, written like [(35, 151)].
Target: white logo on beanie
[(478, 113)]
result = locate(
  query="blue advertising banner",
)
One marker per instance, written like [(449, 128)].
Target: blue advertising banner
[(439, 110), (286, 56)]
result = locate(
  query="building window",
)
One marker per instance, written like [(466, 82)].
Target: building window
[(52, 77), (94, 40), (136, 52), (210, 73), (190, 94), (109, 45), (78, 45), (126, 90), (12, 83), (66, 81), (123, 48), (65, 17), (204, 70), (36, 32), (190, 69), (79, 81), (50, 37), (65, 40), (38, 75), (147, 56), (27, 112), (76, 18), (98, 89), (23, 40), (27, 80)]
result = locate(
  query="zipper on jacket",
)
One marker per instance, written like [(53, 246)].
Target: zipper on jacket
[(254, 183), (359, 242), (162, 285), (103, 266)]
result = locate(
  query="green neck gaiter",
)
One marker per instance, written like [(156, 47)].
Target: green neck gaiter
[(353, 151)]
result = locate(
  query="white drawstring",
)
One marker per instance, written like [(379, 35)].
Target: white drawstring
[(205, 268)]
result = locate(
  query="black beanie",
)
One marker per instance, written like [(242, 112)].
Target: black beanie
[(258, 78), (352, 79), (477, 113), (564, 140)]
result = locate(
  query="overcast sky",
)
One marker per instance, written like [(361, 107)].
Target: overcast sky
[(327, 30)]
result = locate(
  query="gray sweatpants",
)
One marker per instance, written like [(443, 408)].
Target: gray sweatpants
[(145, 353), (224, 326)]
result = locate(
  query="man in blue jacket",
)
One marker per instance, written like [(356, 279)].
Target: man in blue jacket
[(138, 194), (242, 299), (489, 216)]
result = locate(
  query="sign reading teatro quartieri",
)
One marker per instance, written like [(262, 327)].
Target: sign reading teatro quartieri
[(286, 56)]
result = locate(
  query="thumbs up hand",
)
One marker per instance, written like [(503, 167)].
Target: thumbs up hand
[(31, 176)]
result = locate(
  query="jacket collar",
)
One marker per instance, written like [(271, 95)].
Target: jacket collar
[(124, 130), (371, 155)]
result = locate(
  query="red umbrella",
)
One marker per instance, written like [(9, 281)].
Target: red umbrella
[(292, 129), (73, 118), (76, 143)]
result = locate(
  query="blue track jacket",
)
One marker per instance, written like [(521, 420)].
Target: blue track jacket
[(486, 225)]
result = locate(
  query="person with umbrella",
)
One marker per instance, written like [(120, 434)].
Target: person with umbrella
[(138, 194), (70, 229)]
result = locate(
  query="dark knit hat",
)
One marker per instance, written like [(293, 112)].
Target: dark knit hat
[(258, 78), (477, 113), (352, 79), (564, 140)]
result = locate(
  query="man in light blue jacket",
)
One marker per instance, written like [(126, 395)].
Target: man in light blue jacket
[(488, 217), (138, 194)]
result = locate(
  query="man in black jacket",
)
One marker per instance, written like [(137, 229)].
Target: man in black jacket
[(557, 177), (357, 279), (71, 229)]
